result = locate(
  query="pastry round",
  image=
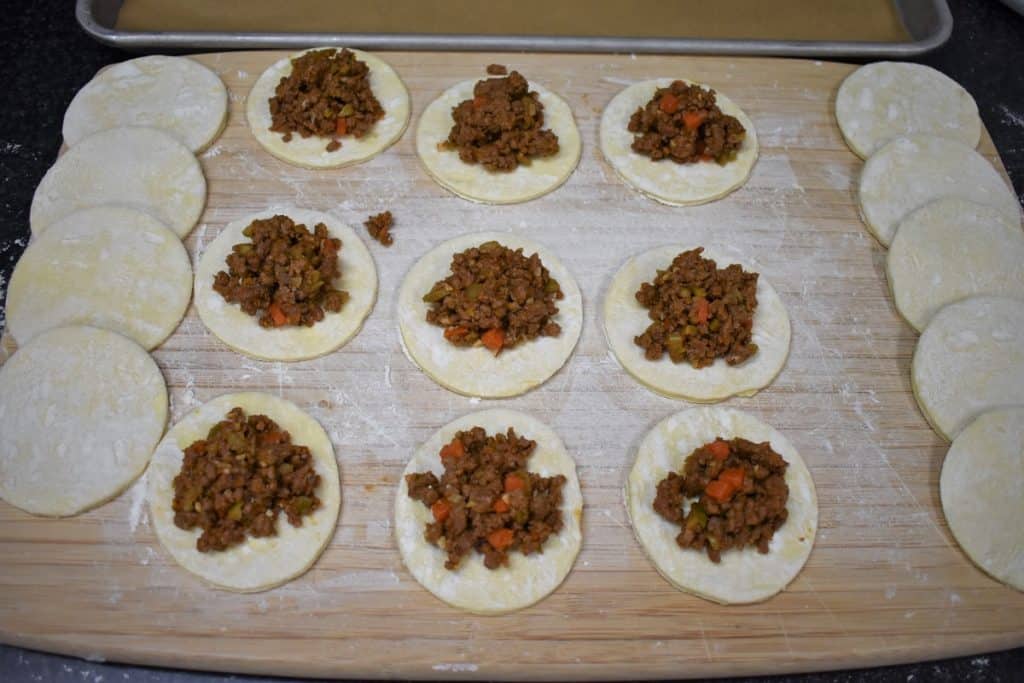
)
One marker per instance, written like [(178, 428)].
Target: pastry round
[(886, 100), (243, 332), (80, 411), (742, 576), (666, 181), (256, 564), (951, 249), (142, 168), (968, 360), (625, 318), (982, 491), (475, 371), (106, 266), (908, 173), (311, 152), (175, 94), (476, 183), (527, 578)]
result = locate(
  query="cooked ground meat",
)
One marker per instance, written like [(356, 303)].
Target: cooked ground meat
[(486, 499), (496, 69), (501, 127), (495, 296), (327, 94), (700, 312), (380, 227), (741, 493), (683, 123), (239, 478), (284, 274)]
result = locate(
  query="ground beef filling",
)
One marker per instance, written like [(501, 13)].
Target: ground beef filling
[(699, 312), (283, 275), (497, 69), (740, 491), (379, 227), (495, 296), (683, 123), (487, 500), (238, 479), (502, 126), (327, 94)]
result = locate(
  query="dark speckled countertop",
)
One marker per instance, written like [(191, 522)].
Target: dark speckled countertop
[(45, 58)]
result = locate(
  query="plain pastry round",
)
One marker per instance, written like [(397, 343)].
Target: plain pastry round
[(886, 100), (476, 183), (243, 332), (475, 371), (527, 578), (142, 168), (665, 180), (951, 249), (982, 491), (742, 576), (968, 360), (175, 94), (80, 411), (625, 318), (256, 564), (107, 266), (312, 152)]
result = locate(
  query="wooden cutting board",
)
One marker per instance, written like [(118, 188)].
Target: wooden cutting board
[(886, 581)]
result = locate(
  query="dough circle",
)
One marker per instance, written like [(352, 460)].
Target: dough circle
[(475, 371), (257, 564), (968, 360), (982, 491), (175, 94), (106, 266), (473, 181), (311, 152), (528, 578), (625, 318), (666, 181), (743, 576), (885, 100), (81, 410), (243, 333), (142, 168), (910, 172), (951, 249)]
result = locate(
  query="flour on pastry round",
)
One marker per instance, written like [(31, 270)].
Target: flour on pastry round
[(625, 318), (968, 360), (665, 180), (476, 183), (141, 168), (81, 410), (175, 94), (256, 564), (744, 575), (243, 332), (886, 100), (476, 371), (107, 266), (312, 152), (951, 249), (527, 578)]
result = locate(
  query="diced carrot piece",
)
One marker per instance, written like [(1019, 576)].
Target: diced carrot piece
[(455, 333), (273, 437), (701, 311), (501, 505), (706, 157), (501, 539), (441, 509), (719, 490), (719, 449), (693, 119), (669, 103), (494, 339), (513, 482), (277, 315), (733, 477), (341, 127), (453, 450), (479, 101)]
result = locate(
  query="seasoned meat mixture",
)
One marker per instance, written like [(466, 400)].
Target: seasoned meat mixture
[(683, 123), (699, 312), (496, 69), (502, 126), (239, 478), (486, 499), (283, 275), (328, 95), (379, 227), (495, 296), (740, 491)]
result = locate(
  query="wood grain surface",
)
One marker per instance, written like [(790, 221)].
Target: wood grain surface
[(885, 583)]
